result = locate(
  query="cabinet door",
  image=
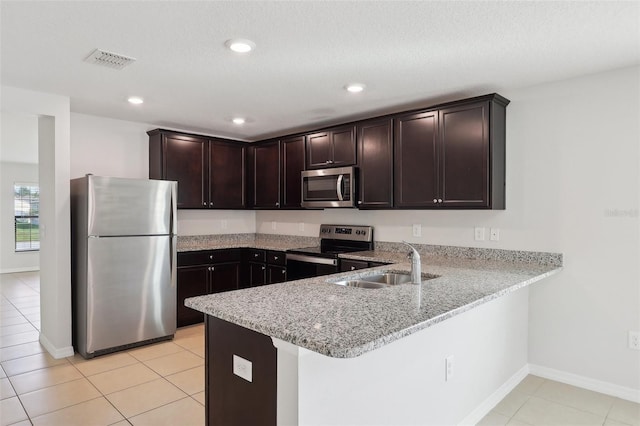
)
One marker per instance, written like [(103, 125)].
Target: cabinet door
[(226, 175), (224, 277), (292, 166), (347, 265), (464, 136), (192, 281), (343, 142), (319, 153), (375, 164), (276, 274), (417, 180), (266, 179), (257, 274), (185, 161)]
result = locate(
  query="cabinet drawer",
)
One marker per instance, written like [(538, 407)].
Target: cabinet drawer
[(256, 255), (352, 265), (275, 258), (204, 257)]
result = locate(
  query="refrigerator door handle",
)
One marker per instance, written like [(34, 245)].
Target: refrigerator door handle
[(174, 261), (174, 208)]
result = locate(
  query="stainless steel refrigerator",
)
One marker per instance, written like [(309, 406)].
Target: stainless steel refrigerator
[(123, 244)]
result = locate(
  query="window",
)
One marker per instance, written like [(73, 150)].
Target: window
[(26, 211)]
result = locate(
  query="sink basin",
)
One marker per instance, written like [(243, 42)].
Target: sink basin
[(389, 278), (383, 280), (359, 283)]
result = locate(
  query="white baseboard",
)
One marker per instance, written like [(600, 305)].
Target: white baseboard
[(57, 353), (487, 405), (25, 269), (607, 388)]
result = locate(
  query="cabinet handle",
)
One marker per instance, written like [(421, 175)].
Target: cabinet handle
[(275, 257), (353, 268), (435, 200), (277, 204), (204, 204), (211, 257), (440, 200), (211, 204), (263, 268), (359, 202), (327, 162), (256, 255), (283, 271)]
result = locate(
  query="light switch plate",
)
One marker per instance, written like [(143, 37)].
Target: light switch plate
[(417, 230), (243, 368), (495, 234)]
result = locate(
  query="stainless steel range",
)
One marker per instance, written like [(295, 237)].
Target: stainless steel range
[(310, 262)]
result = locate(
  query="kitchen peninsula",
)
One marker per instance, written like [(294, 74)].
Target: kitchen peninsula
[(313, 352)]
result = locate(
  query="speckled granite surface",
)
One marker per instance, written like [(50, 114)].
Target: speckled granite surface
[(344, 322), (554, 259), (260, 241)]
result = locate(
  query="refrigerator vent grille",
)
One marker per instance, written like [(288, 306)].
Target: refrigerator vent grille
[(109, 59)]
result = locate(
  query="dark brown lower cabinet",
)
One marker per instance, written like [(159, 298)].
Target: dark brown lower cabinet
[(257, 274), (192, 281), (204, 272), (230, 399)]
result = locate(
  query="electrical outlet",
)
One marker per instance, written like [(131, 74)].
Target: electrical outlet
[(273, 225), (301, 226), (479, 234), (243, 368), (448, 368), (495, 234), (634, 340), (417, 230), (224, 224)]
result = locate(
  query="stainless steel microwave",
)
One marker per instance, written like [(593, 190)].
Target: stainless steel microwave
[(329, 187)]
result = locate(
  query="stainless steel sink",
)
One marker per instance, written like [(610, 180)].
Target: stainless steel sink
[(388, 278), (360, 283), (384, 280)]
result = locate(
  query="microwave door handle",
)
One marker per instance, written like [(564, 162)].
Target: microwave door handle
[(339, 187)]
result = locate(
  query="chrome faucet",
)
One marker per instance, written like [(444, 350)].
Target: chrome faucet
[(416, 274)]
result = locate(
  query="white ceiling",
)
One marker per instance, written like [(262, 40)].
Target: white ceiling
[(408, 53)]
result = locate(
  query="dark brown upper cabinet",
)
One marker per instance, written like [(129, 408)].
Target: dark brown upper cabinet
[(210, 172), (335, 147), (266, 175), (416, 160), (375, 164), (292, 164), (453, 157), (226, 175), (183, 158)]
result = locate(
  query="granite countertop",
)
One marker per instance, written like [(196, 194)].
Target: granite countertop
[(345, 322), (257, 241)]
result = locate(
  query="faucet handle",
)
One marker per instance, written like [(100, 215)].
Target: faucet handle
[(413, 251)]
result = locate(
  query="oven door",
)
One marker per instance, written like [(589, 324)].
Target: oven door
[(301, 266), (328, 187)]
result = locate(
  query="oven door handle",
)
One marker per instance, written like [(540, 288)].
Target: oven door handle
[(312, 259), (339, 188)]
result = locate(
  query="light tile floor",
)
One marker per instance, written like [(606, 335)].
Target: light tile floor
[(163, 384)]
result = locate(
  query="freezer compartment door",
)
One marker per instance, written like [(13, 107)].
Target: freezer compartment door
[(119, 206), (131, 296)]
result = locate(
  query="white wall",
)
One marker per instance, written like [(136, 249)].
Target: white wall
[(18, 164), (55, 263), (109, 147), (10, 260), (572, 187)]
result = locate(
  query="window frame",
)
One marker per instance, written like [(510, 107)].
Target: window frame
[(32, 200)]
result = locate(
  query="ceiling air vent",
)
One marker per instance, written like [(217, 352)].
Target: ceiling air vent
[(109, 59)]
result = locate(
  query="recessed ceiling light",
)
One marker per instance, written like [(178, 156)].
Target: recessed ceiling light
[(136, 100), (238, 120), (354, 87), (240, 45)]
